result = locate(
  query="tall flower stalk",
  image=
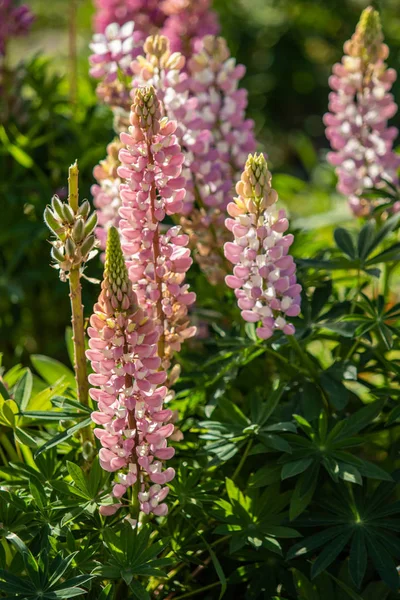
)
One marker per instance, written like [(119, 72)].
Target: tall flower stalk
[(123, 351), (360, 106), (264, 275), (73, 226), (157, 256)]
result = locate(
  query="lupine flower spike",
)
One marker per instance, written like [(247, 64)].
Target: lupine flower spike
[(264, 275), (157, 258), (360, 106), (72, 226), (128, 388)]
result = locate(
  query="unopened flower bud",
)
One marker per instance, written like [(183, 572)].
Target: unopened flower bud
[(70, 248), (52, 222), (90, 223), (57, 255), (88, 245), (84, 209), (68, 213), (57, 206), (78, 231)]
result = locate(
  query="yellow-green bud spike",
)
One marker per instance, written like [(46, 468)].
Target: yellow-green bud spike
[(367, 40), (115, 268), (146, 109), (116, 287)]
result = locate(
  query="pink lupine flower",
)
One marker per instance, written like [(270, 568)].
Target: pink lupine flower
[(264, 275), (105, 192), (360, 106), (146, 14), (15, 20), (188, 22), (203, 118), (127, 386), (114, 51), (157, 258)]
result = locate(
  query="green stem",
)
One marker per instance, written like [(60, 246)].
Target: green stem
[(302, 354), (242, 460), (199, 591), (78, 336), (8, 447), (77, 310), (352, 349)]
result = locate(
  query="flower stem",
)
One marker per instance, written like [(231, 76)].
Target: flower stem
[(156, 255), (242, 460), (77, 310), (198, 591)]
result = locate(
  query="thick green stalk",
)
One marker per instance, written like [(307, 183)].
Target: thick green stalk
[(78, 336), (77, 309)]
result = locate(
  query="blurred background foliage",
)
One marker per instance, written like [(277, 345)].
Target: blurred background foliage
[(288, 47)]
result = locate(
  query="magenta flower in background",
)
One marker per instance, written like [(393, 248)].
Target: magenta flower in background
[(187, 23), (264, 275), (147, 14), (212, 131), (105, 192), (15, 20), (360, 106), (133, 426)]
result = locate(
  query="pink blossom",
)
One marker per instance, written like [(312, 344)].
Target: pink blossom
[(264, 275), (146, 14), (105, 192), (157, 257), (360, 106), (128, 390), (188, 22), (212, 131)]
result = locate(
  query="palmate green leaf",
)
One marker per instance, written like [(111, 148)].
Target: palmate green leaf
[(23, 390), (304, 588), (23, 436), (315, 541), (42, 400), (329, 553), (356, 422), (63, 436), (303, 492), (382, 561), (350, 593), (38, 493), (295, 467), (139, 591), (52, 370), (12, 584), (358, 558), (265, 476), (345, 242), (365, 242), (78, 477), (4, 392)]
